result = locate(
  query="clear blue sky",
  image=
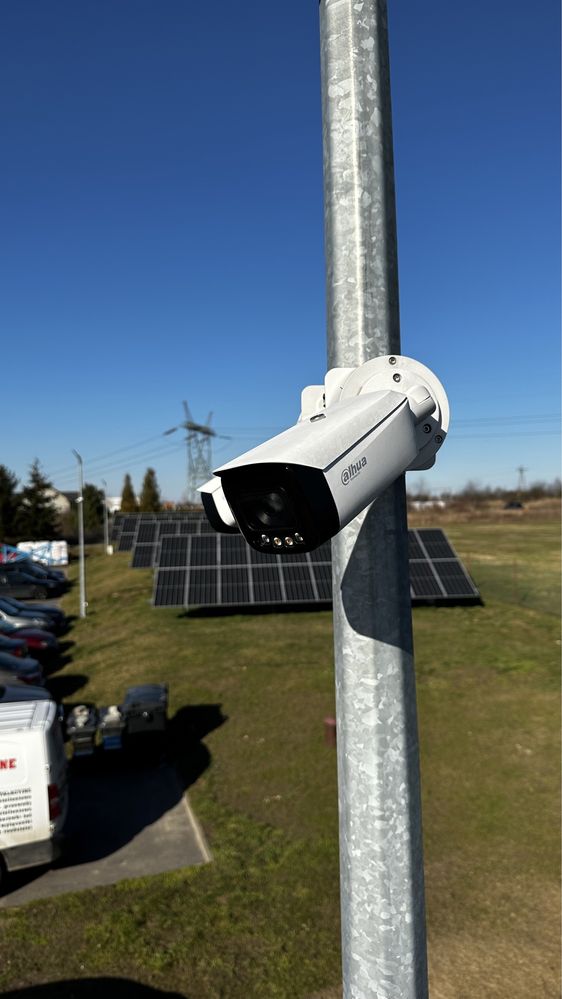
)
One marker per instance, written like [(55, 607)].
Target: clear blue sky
[(161, 220)]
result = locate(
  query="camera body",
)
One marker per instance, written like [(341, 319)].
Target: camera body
[(356, 434)]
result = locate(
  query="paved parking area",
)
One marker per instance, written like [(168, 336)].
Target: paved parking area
[(123, 823)]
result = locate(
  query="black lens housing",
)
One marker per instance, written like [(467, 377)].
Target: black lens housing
[(281, 501)]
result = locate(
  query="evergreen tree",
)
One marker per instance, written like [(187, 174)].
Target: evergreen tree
[(37, 518), (128, 498), (150, 493), (93, 507), (8, 505)]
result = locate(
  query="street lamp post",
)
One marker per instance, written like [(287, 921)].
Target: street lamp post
[(105, 518), (80, 502)]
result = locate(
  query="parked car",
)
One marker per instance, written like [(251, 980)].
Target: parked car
[(13, 646), (25, 619), (15, 583), (42, 645), (32, 568), (12, 689), (58, 616), (26, 669)]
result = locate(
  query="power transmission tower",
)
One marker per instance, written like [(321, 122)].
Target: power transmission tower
[(521, 484), (199, 454)]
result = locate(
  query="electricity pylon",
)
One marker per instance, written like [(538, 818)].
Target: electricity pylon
[(199, 455)]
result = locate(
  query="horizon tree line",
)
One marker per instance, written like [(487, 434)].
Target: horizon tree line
[(30, 514)]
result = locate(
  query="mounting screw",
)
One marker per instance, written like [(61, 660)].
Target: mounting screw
[(438, 439), (427, 428), (397, 377), (392, 360)]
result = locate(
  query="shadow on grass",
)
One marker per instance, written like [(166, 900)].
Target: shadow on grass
[(65, 686), (186, 730), (54, 664), (66, 646), (92, 988), (256, 610)]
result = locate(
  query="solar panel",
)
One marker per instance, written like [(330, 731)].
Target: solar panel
[(323, 578), (323, 553), (146, 532), (169, 527), (299, 584), (235, 552), (436, 573), (266, 584), (174, 551), (125, 542), (204, 550), (171, 587), (235, 585), (153, 527), (202, 587), (454, 579), (260, 558), (191, 526), (434, 544), (222, 570), (423, 581), (143, 556), (415, 550)]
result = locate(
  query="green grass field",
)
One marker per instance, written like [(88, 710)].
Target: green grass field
[(262, 920)]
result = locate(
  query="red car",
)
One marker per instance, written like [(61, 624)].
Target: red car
[(14, 646), (42, 645)]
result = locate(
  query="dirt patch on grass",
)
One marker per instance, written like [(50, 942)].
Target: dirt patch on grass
[(512, 959)]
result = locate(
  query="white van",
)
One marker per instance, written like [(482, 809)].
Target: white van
[(33, 783)]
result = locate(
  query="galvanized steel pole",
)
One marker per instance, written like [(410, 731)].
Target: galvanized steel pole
[(105, 518), (80, 502), (382, 889)]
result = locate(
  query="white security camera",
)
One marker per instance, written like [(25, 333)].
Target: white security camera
[(356, 434)]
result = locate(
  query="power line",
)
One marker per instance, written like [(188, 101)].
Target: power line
[(136, 460), (503, 420), (101, 457), (248, 433), (523, 433)]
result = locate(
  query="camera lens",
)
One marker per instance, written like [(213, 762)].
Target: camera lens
[(271, 508)]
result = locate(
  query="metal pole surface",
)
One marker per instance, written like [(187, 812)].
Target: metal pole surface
[(381, 861), (80, 502), (105, 518)]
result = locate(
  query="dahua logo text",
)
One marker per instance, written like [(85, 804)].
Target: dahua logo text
[(352, 470)]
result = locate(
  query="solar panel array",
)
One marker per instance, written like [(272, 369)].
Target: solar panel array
[(196, 567), (222, 570), (130, 531), (213, 570), (437, 575)]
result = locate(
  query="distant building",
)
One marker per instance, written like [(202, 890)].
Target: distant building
[(113, 503), (431, 504), (64, 502)]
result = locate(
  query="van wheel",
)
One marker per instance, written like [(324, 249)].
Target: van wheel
[(39, 593)]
